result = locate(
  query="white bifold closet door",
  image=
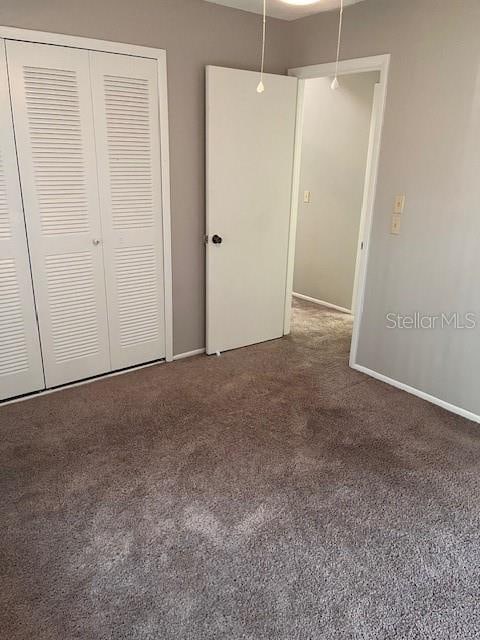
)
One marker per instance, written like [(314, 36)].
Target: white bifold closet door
[(125, 103), (52, 108), (20, 359), (87, 135)]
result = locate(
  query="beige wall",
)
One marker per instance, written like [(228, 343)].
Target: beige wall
[(336, 130), (195, 34), (431, 152)]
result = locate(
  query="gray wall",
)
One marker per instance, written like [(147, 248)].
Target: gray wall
[(195, 34), (431, 152), (336, 129)]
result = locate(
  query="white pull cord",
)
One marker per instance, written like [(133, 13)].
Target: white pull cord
[(335, 84), (261, 86)]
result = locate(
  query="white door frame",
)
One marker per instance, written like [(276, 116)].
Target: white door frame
[(160, 55), (358, 65)]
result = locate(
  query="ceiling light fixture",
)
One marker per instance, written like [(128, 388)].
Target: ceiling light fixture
[(335, 84), (300, 2), (261, 86)]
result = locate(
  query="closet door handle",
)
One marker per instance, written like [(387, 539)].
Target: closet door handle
[(96, 241)]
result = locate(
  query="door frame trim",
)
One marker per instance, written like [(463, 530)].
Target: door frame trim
[(160, 55), (379, 63)]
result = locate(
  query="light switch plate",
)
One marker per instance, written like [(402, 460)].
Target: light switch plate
[(396, 224), (307, 197), (399, 205)]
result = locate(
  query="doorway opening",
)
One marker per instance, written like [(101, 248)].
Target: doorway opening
[(336, 157)]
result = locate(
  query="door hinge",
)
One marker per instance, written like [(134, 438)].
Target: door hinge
[(205, 239)]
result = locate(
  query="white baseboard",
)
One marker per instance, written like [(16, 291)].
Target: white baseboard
[(110, 374), (81, 383), (189, 354), (416, 392), (322, 302)]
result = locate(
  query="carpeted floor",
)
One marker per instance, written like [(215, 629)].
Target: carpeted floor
[(272, 493)]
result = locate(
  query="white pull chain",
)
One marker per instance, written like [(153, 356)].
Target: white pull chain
[(261, 86), (335, 84)]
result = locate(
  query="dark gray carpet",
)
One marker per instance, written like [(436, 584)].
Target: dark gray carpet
[(272, 493)]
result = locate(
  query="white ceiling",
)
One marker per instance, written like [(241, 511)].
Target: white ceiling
[(279, 9)]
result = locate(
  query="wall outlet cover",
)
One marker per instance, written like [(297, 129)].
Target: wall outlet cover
[(399, 205), (396, 224)]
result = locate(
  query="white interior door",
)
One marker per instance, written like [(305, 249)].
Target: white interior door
[(52, 109), (126, 113), (20, 359), (250, 144)]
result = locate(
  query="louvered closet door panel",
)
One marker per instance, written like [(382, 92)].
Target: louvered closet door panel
[(20, 359), (125, 99), (52, 110)]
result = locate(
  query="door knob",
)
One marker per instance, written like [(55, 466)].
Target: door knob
[(96, 241), (217, 239)]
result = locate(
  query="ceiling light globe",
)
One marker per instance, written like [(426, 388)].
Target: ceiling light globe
[(300, 2)]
